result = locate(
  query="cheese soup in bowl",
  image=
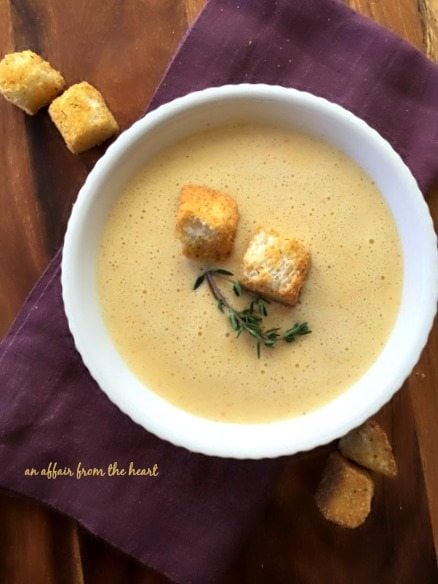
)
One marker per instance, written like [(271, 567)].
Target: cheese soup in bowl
[(292, 162)]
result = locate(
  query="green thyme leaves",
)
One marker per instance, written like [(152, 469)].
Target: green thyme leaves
[(250, 320)]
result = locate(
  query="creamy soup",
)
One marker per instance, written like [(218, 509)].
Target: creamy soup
[(176, 340)]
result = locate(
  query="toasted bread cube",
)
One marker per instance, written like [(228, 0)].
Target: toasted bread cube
[(275, 266), (206, 223), (369, 446), (82, 117), (345, 492), (28, 81)]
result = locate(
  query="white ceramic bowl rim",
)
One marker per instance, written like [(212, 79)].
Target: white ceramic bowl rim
[(318, 427)]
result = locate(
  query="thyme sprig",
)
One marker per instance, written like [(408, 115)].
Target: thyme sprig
[(250, 319)]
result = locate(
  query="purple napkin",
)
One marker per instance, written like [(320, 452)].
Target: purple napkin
[(189, 521)]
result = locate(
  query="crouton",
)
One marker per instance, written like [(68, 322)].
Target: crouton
[(82, 117), (345, 492), (206, 223), (368, 445), (275, 266), (28, 81)]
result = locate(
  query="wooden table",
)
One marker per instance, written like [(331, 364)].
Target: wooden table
[(40, 180)]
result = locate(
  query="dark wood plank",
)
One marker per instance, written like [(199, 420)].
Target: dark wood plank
[(193, 8), (36, 545), (429, 17), (292, 543), (423, 384), (22, 236)]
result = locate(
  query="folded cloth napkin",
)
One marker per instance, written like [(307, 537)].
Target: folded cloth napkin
[(188, 522)]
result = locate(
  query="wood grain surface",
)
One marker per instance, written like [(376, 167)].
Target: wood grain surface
[(40, 179)]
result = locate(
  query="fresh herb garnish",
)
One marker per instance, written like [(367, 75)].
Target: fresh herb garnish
[(250, 319)]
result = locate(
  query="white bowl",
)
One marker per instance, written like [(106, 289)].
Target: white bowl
[(289, 108)]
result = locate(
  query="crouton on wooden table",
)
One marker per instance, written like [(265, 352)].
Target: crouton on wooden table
[(28, 81), (275, 266), (345, 492), (368, 445), (206, 223), (82, 117)]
